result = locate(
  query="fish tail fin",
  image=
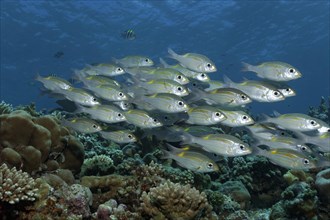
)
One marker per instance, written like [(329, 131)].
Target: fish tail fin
[(263, 118), (186, 138), (196, 95), (173, 149), (115, 60), (258, 151), (172, 54), (80, 108), (166, 154), (276, 113), (37, 77), (228, 82), (163, 63), (247, 67)]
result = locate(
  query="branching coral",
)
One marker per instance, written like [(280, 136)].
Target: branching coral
[(16, 186), (174, 201)]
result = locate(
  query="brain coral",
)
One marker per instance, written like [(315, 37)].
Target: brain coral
[(16, 186)]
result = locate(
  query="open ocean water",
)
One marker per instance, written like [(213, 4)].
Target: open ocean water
[(228, 32)]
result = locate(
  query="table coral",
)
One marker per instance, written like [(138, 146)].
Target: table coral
[(16, 186), (174, 201)]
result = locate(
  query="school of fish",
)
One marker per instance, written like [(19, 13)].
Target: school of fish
[(180, 105)]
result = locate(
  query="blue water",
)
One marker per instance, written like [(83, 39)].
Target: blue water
[(228, 32)]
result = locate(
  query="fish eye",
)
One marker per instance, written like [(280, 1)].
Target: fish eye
[(180, 103), (303, 148), (165, 117), (130, 136), (155, 120), (313, 122), (282, 133), (288, 90), (179, 77), (209, 65), (120, 94), (276, 93), (147, 60), (210, 165), (119, 115), (218, 114), (306, 161), (94, 126), (194, 84), (242, 147), (203, 75), (179, 89), (243, 97), (119, 69), (94, 99), (291, 70), (245, 117)]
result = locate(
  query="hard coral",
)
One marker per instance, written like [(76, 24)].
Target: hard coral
[(297, 200), (175, 201), (29, 142), (16, 186)]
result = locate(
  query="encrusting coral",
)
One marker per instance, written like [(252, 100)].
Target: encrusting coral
[(16, 186), (177, 202)]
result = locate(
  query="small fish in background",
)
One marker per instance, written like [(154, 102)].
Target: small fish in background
[(59, 54), (128, 34)]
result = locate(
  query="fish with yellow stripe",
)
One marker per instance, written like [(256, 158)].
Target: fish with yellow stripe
[(191, 160)]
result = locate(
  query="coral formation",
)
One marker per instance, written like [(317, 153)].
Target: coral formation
[(33, 143), (174, 201), (322, 184), (16, 186), (299, 199), (111, 210)]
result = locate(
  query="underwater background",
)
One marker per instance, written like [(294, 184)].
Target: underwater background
[(48, 171), (228, 32)]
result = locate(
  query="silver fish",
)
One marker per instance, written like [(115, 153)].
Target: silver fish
[(203, 77), (134, 61), (54, 83), (120, 137), (204, 115), (191, 160), (275, 71), (104, 113), (236, 118), (222, 144), (141, 119), (193, 61), (257, 90), (79, 96), (294, 121), (83, 125), (287, 158)]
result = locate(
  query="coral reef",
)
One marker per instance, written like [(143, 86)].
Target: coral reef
[(322, 111), (298, 200), (38, 144), (174, 201), (111, 210), (322, 184), (16, 186)]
